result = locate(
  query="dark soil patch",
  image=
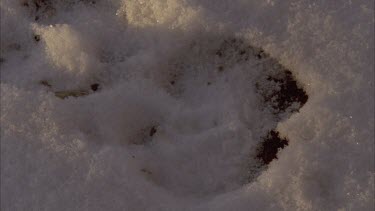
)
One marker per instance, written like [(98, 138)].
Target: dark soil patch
[(37, 38), (45, 83), (95, 87), (287, 94), (281, 94), (153, 131), (278, 89), (270, 146)]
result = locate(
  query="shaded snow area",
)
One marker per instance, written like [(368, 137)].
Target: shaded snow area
[(187, 105)]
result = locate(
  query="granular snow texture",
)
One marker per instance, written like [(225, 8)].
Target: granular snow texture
[(187, 105)]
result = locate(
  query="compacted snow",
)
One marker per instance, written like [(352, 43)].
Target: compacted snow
[(183, 105)]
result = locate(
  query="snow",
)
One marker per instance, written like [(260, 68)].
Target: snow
[(175, 125)]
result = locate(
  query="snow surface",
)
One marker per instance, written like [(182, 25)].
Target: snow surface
[(156, 68)]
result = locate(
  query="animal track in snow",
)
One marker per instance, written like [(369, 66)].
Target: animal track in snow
[(248, 92), (232, 96)]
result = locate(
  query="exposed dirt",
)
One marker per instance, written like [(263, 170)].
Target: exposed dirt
[(271, 145), (278, 89), (283, 95)]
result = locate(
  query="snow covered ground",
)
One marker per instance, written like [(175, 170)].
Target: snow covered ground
[(160, 104)]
